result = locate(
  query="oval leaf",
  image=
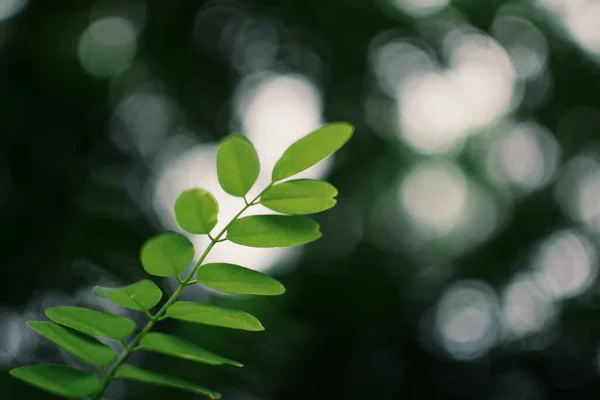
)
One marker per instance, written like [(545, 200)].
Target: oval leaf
[(167, 254), (132, 373), (139, 296), (210, 314), (273, 231), (85, 348), (301, 196), (235, 279), (94, 323), (60, 380), (196, 211), (237, 165), (311, 149), (176, 347)]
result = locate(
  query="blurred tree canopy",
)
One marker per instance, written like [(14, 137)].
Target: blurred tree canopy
[(461, 261)]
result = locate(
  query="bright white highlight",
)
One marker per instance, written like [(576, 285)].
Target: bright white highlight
[(107, 46), (567, 265), (466, 320)]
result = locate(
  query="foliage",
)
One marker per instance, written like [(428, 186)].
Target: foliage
[(169, 254)]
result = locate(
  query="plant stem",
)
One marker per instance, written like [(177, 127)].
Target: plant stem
[(131, 347)]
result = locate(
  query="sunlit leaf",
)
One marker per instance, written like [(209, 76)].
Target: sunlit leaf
[(273, 231), (196, 211), (210, 314), (301, 196), (167, 254), (139, 296), (132, 373), (92, 322), (60, 380), (235, 279), (311, 149), (176, 347), (85, 348), (237, 165)]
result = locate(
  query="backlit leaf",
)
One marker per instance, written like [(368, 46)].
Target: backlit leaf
[(237, 165), (60, 380), (92, 322), (235, 279), (196, 211), (311, 149), (273, 231), (301, 196), (132, 373), (210, 314), (167, 254), (176, 347), (85, 348), (139, 296)]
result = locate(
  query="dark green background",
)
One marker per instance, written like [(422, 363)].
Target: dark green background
[(349, 324)]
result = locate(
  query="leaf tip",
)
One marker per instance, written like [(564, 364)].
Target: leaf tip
[(281, 289), (344, 124)]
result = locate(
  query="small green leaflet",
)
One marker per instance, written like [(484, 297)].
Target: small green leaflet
[(60, 380), (235, 279), (85, 348), (311, 149), (132, 373), (94, 323), (273, 231), (237, 165), (167, 254), (196, 211), (301, 196), (139, 296), (210, 314), (176, 347)]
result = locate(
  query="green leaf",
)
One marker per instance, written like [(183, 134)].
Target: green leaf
[(210, 314), (60, 380), (167, 254), (237, 165), (301, 196), (85, 348), (273, 231), (235, 279), (132, 373), (176, 347), (311, 149), (139, 296), (94, 323), (196, 211)]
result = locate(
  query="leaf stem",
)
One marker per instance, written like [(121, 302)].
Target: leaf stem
[(160, 315)]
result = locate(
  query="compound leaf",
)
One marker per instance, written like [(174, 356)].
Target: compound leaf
[(132, 373), (210, 314), (196, 211), (85, 348), (237, 165), (235, 279), (301, 196), (176, 347), (60, 380), (273, 231), (167, 254), (90, 322), (311, 149), (139, 296)]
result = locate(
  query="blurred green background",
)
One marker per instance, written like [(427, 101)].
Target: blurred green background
[(461, 261)]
